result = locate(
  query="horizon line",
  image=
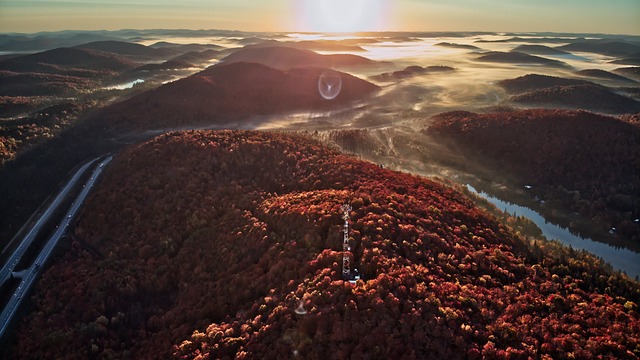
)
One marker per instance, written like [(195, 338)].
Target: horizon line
[(323, 32)]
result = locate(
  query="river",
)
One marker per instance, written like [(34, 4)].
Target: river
[(620, 258)]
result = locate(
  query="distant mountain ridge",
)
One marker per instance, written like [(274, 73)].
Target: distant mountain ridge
[(128, 49), (411, 71), (550, 91), (539, 50), (537, 81), (586, 97), (515, 57), (285, 58), (604, 46), (605, 75), (64, 60)]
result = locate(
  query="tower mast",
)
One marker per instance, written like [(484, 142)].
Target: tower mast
[(346, 248)]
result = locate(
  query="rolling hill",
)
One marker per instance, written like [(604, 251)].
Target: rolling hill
[(584, 97), (604, 47), (18, 43), (69, 61), (285, 58), (606, 75), (539, 50), (41, 84), (196, 57), (223, 245), (228, 94), (631, 72), (579, 161), (167, 65), (132, 50), (411, 71), (634, 61), (458, 46), (515, 57), (184, 48), (531, 82)]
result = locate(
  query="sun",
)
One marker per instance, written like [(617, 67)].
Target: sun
[(343, 16)]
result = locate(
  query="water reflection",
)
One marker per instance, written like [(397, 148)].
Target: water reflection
[(621, 259)]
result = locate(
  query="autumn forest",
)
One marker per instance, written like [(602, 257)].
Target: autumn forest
[(204, 244)]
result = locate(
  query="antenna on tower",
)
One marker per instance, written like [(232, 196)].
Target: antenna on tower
[(346, 247)]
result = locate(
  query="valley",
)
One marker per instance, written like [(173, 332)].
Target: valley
[(218, 218)]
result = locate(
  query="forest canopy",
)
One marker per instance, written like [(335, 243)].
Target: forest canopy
[(204, 244)]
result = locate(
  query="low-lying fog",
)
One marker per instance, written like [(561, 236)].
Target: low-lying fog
[(419, 75), (470, 86)]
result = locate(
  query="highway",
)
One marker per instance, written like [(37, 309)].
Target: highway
[(32, 272), (11, 263)]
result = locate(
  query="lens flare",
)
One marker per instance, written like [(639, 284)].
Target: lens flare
[(300, 310), (329, 84)]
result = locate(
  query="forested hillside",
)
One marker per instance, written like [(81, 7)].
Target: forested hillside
[(207, 244), (580, 161)]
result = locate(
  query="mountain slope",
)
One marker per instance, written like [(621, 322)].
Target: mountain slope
[(515, 57), (530, 82), (603, 46), (228, 94), (411, 71), (68, 61), (539, 50), (632, 72), (605, 75), (284, 58), (128, 49), (39, 84), (583, 162), (223, 244), (584, 97)]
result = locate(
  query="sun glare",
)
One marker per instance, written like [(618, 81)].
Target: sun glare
[(343, 16)]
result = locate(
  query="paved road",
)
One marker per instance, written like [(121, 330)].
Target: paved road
[(31, 274), (11, 263)]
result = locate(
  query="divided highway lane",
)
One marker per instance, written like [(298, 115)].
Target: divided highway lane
[(11, 263), (31, 274)]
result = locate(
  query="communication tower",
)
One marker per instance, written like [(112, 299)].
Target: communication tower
[(346, 248)]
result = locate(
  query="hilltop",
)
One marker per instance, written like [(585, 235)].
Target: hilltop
[(133, 50), (285, 58), (631, 72), (69, 61), (606, 75), (223, 245), (539, 50), (411, 71), (458, 46), (515, 57), (550, 91), (523, 84), (229, 94), (585, 97), (604, 47)]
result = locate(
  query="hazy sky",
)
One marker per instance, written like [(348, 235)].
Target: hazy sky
[(605, 16)]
